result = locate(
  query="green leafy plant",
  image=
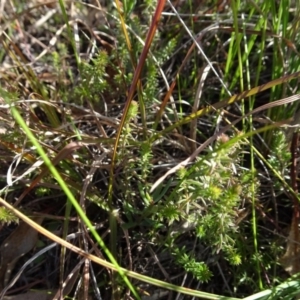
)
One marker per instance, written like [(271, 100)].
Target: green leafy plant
[(198, 269), (7, 217)]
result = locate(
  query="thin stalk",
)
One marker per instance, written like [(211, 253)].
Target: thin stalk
[(15, 113)]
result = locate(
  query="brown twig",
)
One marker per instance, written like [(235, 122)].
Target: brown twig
[(296, 209)]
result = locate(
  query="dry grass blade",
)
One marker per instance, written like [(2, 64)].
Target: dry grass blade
[(231, 100), (193, 127), (64, 153), (215, 136), (103, 262)]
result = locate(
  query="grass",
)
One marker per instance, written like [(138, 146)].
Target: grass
[(157, 143)]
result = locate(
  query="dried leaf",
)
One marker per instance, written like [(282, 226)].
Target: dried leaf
[(21, 241), (290, 261), (41, 295)]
